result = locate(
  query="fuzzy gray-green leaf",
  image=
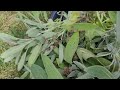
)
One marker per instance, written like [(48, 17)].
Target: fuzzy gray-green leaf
[(38, 72), (13, 50), (50, 69), (61, 52), (34, 54), (71, 47), (84, 53), (99, 72), (21, 62)]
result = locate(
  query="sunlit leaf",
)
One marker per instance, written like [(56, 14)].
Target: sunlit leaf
[(91, 30)]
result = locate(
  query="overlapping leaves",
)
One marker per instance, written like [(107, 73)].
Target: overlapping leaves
[(49, 46)]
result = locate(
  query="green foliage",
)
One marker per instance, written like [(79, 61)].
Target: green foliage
[(71, 47), (58, 49), (38, 72), (112, 15), (90, 29), (50, 69), (34, 54), (99, 72)]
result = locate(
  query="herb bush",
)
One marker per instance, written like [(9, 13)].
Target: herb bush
[(83, 46)]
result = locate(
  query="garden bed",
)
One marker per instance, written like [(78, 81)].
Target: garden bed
[(84, 45)]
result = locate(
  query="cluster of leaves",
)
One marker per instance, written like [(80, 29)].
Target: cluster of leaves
[(77, 47)]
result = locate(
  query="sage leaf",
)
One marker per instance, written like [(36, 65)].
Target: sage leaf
[(78, 64), (22, 61), (38, 72), (24, 75), (61, 52), (71, 47), (99, 71), (34, 54), (85, 76), (101, 54), (50, 69), (90, 29), (84, 53), (103, 61), (13, 50)]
